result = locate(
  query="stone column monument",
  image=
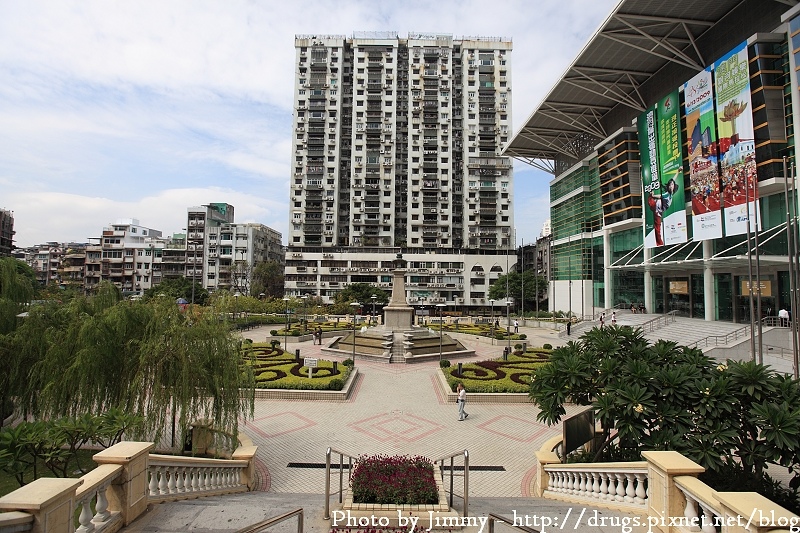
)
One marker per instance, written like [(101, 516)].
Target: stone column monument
[(398, 315)]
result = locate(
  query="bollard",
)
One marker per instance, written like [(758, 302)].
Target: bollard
[(459, 369), (297, 354), (335, 367)]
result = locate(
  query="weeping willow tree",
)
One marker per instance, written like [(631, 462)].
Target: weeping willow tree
[(146, 358), (16, 291)]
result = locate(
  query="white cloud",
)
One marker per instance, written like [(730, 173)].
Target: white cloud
[(142, 109)]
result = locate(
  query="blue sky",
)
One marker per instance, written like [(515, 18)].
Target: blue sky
[(112, 109)]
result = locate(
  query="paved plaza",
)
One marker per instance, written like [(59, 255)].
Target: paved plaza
[(394, 409)]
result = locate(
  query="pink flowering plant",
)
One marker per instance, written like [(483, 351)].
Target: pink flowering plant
[(400, 479)]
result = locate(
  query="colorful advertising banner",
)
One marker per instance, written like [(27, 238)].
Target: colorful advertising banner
[(672, 198), (662, 174), (698, 107), (736, 142)]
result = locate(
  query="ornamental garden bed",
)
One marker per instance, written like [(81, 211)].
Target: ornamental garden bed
[(277, 369), (512, 375), (387, 491)]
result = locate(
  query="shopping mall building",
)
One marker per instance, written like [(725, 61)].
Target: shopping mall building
[(673, 123)]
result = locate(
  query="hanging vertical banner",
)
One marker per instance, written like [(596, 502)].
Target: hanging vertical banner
[(662, 174), (698, 107), (651, 182), (672, 198), (736, 141)]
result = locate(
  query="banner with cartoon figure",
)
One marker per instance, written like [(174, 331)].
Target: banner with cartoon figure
[(736, 142), (672, 199), (662, 174), (698, 107)]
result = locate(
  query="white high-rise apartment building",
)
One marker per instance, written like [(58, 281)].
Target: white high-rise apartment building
[(396, 147)]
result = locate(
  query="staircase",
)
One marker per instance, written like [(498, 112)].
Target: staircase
[(398, 350)]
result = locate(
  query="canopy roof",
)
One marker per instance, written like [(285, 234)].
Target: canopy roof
[(640, 49)]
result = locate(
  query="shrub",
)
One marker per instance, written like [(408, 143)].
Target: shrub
[(347, 362), (547, 346), (275, 343), (335, 384), (444, 363), (523, 336), (518, 346), (400, 480), (273, 332)]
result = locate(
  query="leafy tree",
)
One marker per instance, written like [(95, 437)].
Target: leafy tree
[(669, 397), (146, 358), (175, 288), (241, 277), (267, 279), (535, 287), (361, 293)]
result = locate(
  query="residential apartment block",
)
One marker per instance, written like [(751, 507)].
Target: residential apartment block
[(6, 232), (136, 258), (396, 147)]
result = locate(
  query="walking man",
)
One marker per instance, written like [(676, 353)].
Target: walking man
[(614, 318), (462, 399), (516, 326), (602, 320)]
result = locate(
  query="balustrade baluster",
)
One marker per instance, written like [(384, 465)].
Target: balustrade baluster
[(85, 518), (181, 482), (581, 483), (620, 487), (195, 479), (629, 490), (206, 479), (690, 511), (595, 485), (153, 486), (708, 520), (163, 488), (641, 495), (101, 513), (172, 484), (603, 486)]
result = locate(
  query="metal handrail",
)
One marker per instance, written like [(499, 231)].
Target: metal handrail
[(497, 518), (652, 325), (269, 522), (452, 457), (721, 339), (342, 455)]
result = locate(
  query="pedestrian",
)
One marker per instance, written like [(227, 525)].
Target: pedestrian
[(516, 326), (319, 335), (569, 327), (614, 318), (783, 317), (461, 400), (602, 320)]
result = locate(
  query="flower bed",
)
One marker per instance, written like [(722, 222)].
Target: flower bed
[(498, 375), (401, 480), (275, 369)]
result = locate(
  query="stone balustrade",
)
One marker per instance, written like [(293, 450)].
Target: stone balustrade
[(125, 481), (663, 490), (176, 478), (623, 483)]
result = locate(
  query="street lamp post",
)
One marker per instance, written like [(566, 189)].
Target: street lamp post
[(355, 306), (491, 327), (508, 319), (236, 308), (305, 311), (286, 330), (373, 298), (440, 306)]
